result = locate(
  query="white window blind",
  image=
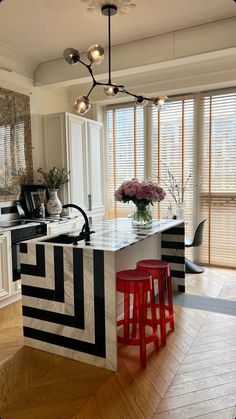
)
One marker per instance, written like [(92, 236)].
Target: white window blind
[(218, 179), (172, 146), (125, 151)]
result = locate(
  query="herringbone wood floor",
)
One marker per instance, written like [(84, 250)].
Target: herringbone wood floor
[(193, 376)]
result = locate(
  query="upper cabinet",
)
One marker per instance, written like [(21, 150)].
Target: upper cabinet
[(77, 144)]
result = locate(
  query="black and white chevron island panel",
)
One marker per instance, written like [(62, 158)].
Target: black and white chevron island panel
[(70, 303), (63, 291), (173, 251)]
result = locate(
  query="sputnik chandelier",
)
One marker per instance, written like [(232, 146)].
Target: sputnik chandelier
[(95, 56)]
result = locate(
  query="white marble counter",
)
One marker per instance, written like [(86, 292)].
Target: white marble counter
[(117, 234)]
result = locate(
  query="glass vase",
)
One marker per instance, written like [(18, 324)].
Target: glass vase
[(54, 205), (179, 209), (142, 215)]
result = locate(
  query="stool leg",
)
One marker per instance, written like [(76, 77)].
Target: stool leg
[(170, 303), (126, 316), (154, 317), (141, 316), (135, 317), (161, 290)]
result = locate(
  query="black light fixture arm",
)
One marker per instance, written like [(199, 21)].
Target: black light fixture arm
[(137, 96), (109, 46), (71, 55)]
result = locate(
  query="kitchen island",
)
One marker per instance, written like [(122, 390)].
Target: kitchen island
[(70, 303)]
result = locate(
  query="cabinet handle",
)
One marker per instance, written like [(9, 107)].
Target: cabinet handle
[(89, 202)]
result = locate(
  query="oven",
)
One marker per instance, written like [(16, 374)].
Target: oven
[(20, 234)]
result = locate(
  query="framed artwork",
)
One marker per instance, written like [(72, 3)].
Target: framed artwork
[(34, 196)]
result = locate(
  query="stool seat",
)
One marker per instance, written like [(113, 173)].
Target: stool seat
[(162, 267), (160, 271), (137, 283), (129, 279)]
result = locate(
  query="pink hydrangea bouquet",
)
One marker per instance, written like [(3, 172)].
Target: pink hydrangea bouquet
[(142, 194)]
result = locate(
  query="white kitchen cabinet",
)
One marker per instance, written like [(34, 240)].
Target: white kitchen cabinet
[(9, 291), (77, 144)]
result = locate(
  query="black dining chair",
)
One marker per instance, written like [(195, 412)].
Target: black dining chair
[(196, 241)]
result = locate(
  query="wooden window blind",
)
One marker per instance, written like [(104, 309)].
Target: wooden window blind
[(172, 146), (15, 137), (126, 153), (171, 143), (218, 178)]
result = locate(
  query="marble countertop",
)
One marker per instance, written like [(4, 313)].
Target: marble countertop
[(17, 223), (116, 234)]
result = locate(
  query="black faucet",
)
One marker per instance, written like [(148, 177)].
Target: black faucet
[(85, 232)]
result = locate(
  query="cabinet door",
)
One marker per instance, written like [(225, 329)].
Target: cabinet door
[(77, 163), (95, 163), (5, 265)]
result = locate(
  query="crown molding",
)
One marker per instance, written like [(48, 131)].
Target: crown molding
[(147, 54), (13, 61)]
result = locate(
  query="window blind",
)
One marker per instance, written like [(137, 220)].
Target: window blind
[(218, 178), (126, 153), (172, 147), (15, 137)]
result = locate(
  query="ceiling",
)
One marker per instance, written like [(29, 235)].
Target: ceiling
[(40, 30)]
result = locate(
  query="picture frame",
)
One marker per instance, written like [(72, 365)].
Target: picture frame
[(34, 195)]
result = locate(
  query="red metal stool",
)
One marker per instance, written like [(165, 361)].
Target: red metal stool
[(137, 283), (160, 271)]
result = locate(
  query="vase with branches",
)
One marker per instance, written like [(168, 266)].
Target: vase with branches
[(176, 190)]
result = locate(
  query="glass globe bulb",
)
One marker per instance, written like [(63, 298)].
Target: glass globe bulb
[(140, 101), (82, 105), (95, 54), (160, 100), (71, 55), (111, 91)]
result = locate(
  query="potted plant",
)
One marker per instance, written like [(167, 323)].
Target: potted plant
[(54, 179)]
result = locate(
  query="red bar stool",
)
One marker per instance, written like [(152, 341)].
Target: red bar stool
[(137, 283), (160, 271)]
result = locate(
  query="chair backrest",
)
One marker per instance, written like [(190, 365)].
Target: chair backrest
[(197, 240)]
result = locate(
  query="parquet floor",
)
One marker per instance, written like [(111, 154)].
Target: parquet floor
[(193, 376)]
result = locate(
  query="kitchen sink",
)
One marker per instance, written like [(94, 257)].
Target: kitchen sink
[(64, 239)]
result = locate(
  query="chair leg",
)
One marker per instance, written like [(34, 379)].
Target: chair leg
[(154, 318), (135, 317), (170, 303), (161, 291), (192, 268), (126, 316), (141, 316)]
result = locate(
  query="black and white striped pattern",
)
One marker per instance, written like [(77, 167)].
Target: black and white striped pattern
[(173, 251), (57, 315)]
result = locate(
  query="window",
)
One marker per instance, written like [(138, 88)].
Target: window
[(218, 178), (125, 151), (132, 154), (15, 137), (195, 135), (172, 147)]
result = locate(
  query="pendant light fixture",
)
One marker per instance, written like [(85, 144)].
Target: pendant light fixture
[(95, 56)]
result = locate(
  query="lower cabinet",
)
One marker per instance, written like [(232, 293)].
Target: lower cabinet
[(9, 290)]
